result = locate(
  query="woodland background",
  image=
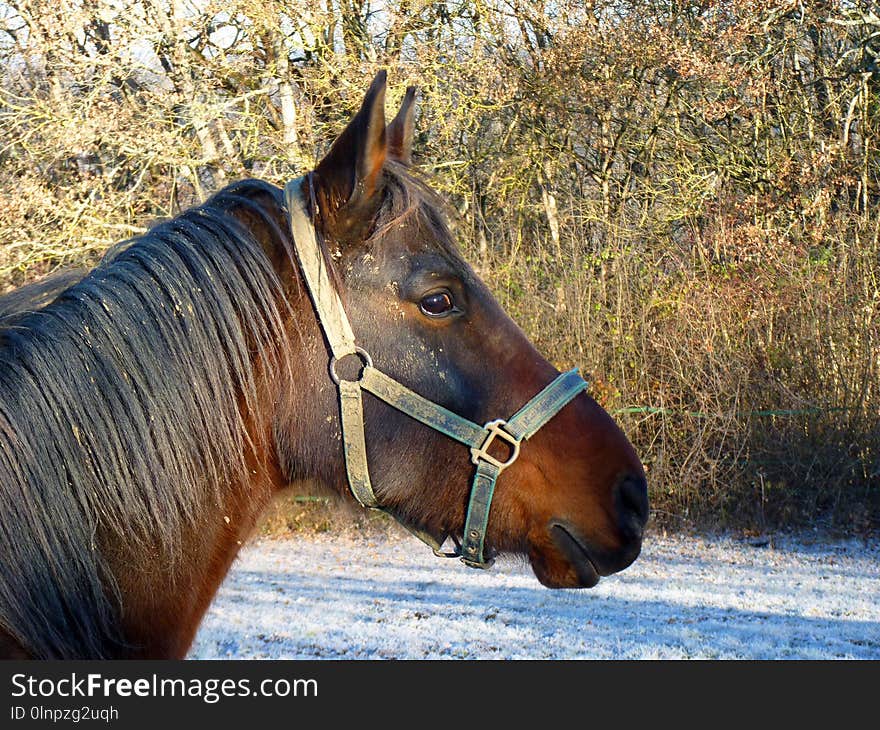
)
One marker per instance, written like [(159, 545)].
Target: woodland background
[(683, 198)]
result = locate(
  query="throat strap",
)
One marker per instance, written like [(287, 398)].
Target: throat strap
[(340, 339)]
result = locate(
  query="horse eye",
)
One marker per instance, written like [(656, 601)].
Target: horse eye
[(437, 304)]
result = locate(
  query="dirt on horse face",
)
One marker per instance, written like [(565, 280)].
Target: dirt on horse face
[(151, 410)]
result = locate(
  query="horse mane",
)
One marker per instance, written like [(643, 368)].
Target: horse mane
[(122, 407)]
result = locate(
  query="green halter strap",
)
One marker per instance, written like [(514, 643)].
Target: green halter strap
[(337, 331)]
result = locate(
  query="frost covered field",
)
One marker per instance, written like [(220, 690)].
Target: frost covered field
[(685, 597)]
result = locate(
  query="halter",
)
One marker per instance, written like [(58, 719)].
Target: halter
[(337, 331)]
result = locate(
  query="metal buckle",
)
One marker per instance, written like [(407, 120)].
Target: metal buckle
[(366, 360), (496, 429)]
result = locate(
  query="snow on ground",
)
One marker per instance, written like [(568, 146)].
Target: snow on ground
[(685, 597)]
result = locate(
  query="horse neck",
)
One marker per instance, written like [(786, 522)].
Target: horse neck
[(291, 436), (163, 608), (164, 611), (293, 440)]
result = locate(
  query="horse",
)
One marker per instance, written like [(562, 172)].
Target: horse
[(153, 406)]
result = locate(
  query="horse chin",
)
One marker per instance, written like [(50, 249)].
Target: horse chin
[(563, 561)]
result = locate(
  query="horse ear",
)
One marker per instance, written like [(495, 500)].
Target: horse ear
[(347, 179), (400, 131)]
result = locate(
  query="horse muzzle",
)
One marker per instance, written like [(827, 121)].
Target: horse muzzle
[(572, 559)]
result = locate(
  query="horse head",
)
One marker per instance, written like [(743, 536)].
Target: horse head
[(575, 500)]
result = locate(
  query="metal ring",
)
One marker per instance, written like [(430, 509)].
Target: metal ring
[(362, 354)]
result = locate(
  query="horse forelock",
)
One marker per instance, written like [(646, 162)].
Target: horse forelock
[(123, 408), (407, 197)]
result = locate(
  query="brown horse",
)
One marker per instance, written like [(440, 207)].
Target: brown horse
[(151, 410)]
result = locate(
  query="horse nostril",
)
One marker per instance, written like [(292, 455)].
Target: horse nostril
[(632, 505)]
